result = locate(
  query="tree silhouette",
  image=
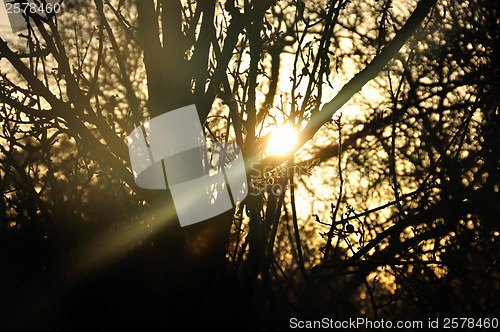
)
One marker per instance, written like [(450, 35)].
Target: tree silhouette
[(403, 226)]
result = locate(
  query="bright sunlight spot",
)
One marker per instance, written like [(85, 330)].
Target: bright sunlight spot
[(283, 140)]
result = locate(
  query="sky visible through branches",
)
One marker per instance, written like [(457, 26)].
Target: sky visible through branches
[(369, 133)]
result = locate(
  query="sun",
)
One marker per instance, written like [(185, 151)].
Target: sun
[(283, 140)]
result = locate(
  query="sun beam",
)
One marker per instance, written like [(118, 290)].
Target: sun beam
[(283, 140)]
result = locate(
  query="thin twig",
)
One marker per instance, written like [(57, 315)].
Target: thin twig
[(295, 223), (339, 198)]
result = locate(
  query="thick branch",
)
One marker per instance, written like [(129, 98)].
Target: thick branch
[(359, 80)]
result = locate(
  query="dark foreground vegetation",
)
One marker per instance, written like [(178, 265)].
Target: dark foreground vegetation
[(83, 248)]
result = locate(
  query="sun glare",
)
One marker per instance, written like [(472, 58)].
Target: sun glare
[(283, 141)]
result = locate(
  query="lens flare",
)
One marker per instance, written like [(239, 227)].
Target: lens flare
[(283, 140)]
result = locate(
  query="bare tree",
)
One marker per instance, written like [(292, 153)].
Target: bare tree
[(73, 87)]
